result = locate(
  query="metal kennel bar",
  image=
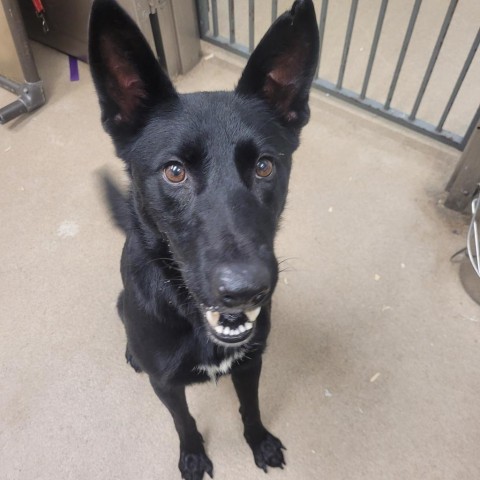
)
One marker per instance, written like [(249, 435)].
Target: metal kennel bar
[(321, 32), (458, 84), (403, 52), (348, 40), (20, 75), (209, 9), (373, 50), (274, 10), (231, 18), (251, 25), (433, 58)]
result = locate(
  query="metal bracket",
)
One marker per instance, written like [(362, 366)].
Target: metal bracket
[(30, 97)]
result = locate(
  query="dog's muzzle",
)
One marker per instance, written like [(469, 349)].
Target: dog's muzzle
[(231, 329)]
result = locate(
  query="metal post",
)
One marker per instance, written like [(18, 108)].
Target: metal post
[(30, 88), (203, 20), (251, 25), (373, 50), (466, 178), (274, 10), (459, 82), (403, 52), (20, 39), (215, 18), (231, 18), (321, 31), (433, 58), (348, 39), (157, 38)]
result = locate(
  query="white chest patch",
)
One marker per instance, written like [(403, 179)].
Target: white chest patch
[(222, 368)]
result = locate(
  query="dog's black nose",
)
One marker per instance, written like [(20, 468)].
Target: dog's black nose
[(241, 284)]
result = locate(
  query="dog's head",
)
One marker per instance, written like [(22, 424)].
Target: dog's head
[(210, 170)]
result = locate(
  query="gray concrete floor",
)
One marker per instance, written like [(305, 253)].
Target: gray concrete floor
[(372, 368)]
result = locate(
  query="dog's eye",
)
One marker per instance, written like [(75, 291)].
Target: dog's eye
[(264, 167), (175, 172)]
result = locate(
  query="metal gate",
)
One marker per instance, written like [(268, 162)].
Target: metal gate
[(382, 22)]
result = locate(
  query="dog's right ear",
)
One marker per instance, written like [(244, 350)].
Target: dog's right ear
[(128, 79)]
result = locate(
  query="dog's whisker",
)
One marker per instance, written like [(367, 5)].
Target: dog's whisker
[(288, 259)]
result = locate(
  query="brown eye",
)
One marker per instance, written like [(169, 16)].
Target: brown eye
[(175, 172), (264, 167)]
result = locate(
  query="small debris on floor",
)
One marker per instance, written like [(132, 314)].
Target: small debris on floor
[(375, 377), (328, 394), (377, 277), (68, 229)]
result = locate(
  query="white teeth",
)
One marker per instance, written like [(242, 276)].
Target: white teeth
[(213, 318), (253, 314), (233, 332)]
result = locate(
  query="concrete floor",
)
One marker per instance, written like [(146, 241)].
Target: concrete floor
[(372, 368)]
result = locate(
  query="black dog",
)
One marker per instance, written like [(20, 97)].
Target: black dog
[(209, 177)]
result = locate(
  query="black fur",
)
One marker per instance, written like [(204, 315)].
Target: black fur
[(202, 248)]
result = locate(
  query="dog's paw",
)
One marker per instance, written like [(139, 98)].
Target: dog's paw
[(267, 452), (193, 465)]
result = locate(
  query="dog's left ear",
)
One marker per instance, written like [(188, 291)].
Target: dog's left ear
[(282, 66)]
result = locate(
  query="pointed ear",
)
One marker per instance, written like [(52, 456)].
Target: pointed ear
[(128, 79), (282, 66)]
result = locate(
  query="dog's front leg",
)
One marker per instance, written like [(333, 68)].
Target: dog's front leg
[(193, 461), (267, 449)]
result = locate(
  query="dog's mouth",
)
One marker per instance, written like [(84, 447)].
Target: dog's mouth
[(231, 328)]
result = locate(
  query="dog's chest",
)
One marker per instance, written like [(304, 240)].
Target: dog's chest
[(214, 370)]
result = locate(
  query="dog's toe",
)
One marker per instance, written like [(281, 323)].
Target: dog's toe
[(193, 465)]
